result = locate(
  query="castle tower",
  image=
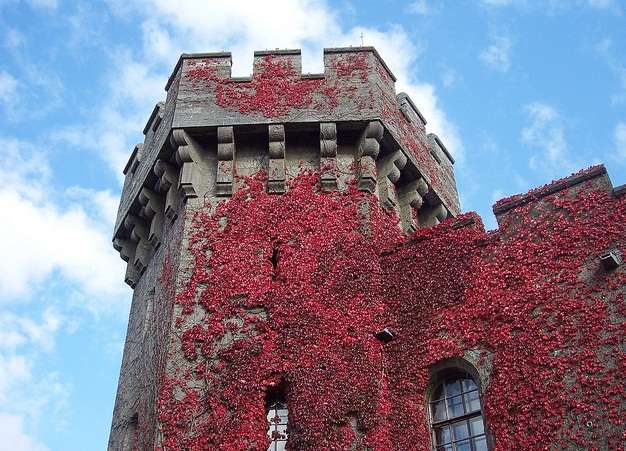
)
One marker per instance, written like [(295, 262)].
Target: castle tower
[(276, 295)]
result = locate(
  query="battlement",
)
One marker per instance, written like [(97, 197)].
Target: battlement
[(347, 124)]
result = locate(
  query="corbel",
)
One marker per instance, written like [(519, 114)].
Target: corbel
[(168, 183), (127, 249), (187, 158), (139, 233), (225, 161), (388, 175), (276, 176), (328, 156), (153, 211), (411, 199), (369, 146)]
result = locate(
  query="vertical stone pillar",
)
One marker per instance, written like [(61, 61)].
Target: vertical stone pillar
[(225, 161), (276, 176), (328, 156), (369, 146)]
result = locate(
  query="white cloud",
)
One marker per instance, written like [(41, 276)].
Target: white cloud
[(40, 238), (422, 7), (605, 49), (546, 133), (44, 4), (8, 89), (14, 437), (497, 55), (27, 393), (449, 77), (13, 39), (169, 29), (619, 136), (16, 331), (496, 3), (605, 5)]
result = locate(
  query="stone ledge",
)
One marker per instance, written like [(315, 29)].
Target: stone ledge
[(506, 204)]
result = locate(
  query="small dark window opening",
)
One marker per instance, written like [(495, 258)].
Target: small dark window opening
[(274, 261), (277, 419), (456, 416), (130, 435)]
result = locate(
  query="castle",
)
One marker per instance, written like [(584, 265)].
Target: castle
[(304, 278)]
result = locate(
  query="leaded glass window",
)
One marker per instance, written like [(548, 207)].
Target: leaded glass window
[(456, 416), (277, 416)]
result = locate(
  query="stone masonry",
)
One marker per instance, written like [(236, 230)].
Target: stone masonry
[(245, 187)]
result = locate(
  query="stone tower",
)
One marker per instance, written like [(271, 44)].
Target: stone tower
[(295, 244)]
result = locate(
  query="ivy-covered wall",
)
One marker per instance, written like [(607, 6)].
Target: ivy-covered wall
[(289, 290)]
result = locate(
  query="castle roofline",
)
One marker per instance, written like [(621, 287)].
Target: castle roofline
[(281, 52), (404, 96), (508, 203), (362, 49), (184, 56), (442, 146)]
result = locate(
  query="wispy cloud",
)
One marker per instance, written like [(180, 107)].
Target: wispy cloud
[(619, 137), (604, 48), (8, 90), (423, 7), (13, 39), (545, 132), (497, 55)]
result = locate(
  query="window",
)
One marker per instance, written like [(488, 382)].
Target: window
[(456, 417), (277, 416)]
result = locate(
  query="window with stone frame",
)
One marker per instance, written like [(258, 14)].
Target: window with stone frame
[(277, 419), (456, 415)]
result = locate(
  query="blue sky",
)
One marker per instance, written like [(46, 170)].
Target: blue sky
[(521, 91)]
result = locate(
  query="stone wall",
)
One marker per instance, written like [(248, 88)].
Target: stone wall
[(273, 225)]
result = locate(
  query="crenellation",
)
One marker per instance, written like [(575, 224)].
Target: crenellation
[(410, 111), (290, 58)]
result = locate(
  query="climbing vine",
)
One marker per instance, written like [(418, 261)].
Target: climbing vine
[(290, 289)]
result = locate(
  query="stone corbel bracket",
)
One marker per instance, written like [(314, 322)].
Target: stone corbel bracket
[(389, 168), (188, 158), (276, 174), (367, 152), (153, 211), (225, 161), (328, 156), (168, 184), (411, 199), (127, 249), (139, 233)]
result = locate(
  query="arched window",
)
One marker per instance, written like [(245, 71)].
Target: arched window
[(277, 416), (455, 415)]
